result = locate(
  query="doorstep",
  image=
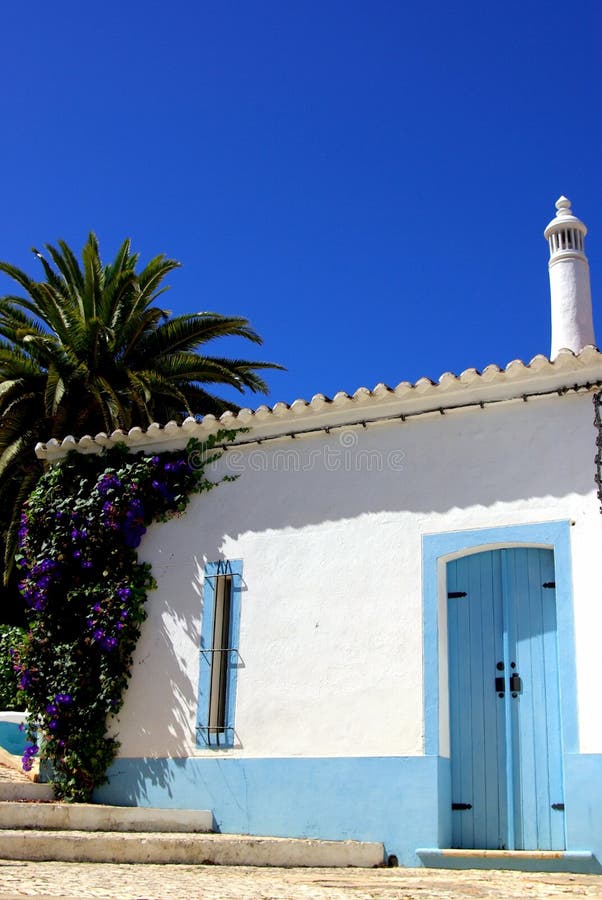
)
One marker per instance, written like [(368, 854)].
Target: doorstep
[(578, 861)]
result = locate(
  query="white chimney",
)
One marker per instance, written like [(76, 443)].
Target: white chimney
[(572, 324)]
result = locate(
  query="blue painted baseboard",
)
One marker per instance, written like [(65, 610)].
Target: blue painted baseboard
[(388, 799), (402, 801), (583, 801)]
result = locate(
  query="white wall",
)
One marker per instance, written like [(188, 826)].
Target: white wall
[(331, 624)]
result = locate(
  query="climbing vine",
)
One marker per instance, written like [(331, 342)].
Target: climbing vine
[(85, 592), (597, 400)]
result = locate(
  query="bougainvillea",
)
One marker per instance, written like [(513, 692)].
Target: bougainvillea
[(10, 638), (85, 591)]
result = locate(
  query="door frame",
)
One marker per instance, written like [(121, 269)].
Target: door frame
[(437, 551)]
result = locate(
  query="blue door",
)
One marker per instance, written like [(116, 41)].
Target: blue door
[(505, 730)]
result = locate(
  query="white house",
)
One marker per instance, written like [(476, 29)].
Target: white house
[(388, 627)]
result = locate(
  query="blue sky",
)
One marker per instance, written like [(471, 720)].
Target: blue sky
[(367, 182)]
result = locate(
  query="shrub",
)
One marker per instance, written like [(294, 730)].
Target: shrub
[(10, 640), (85, 594)]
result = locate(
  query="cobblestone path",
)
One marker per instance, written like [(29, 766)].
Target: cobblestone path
[(80, 881)]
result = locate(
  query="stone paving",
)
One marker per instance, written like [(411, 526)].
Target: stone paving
[(8, 773), (81, 881)]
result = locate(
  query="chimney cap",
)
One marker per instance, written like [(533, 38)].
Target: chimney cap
[(565, 217), (563, 203)]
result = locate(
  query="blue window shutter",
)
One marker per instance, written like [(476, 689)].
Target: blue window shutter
[(205, 736)]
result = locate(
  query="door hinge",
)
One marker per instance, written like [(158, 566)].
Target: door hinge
[(452, 595), (549, 584), (559, 806), (461, 805)]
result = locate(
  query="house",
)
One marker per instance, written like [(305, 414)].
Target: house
[(388, 627)]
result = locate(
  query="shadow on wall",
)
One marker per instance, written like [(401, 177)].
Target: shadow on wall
[(517, 452), (136, 784), (158, 710)]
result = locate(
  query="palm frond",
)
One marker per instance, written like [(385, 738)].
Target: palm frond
[(67, 264), (93, 278), (89, 349)]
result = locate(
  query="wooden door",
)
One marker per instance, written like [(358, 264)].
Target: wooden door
[(505, 729)]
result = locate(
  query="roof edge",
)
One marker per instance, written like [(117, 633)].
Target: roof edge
[(492, 383)]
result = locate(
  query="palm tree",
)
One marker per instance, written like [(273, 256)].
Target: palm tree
[(87, 349)]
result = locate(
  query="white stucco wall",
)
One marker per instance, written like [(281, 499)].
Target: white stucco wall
[(330, 538), (572, 320)]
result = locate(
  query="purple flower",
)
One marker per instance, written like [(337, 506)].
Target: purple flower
[(133, 536), (124, 593), (63, 698), (27, 761), (133, 526), (26, 679), (108, 483), (136, 509), (52, 709), (162, 489), (98, 634), (45, 567)]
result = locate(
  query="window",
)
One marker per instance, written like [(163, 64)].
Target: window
[(219, 654)]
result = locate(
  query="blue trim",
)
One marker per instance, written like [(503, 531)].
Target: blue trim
[(437, 549), (583, 800), (388, 799), (445, 801), (203, 738)]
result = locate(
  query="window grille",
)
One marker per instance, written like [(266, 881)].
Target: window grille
[(219, 655)]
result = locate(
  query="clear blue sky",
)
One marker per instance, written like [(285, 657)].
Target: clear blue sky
[(367, 182)]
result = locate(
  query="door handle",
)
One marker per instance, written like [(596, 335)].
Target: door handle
[(516, 684)]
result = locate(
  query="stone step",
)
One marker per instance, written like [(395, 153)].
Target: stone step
[(96, 817), (25, 790), (190, 849), (578, 861)]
